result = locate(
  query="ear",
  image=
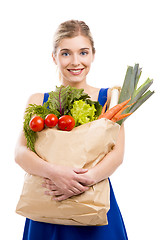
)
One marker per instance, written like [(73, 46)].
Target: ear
[(54, 58)]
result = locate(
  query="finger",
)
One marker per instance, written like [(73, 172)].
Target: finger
[(84, 180), (45, 178), (80, 188), (76, 191), (48, 181), (60, 198), (80, 170), (50, 187), (50, 193), (53, 193), (57, 193)]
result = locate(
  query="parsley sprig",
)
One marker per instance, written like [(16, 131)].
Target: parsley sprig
[(32, 110)]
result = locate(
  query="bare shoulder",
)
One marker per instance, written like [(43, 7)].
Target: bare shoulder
[(36, 98), (93, 92)]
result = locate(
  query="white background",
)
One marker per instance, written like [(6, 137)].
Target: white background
[(125, 33)]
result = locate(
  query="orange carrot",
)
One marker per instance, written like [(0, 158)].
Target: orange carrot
[(119, 113), (114, 110), (104, 107), (120, 117)]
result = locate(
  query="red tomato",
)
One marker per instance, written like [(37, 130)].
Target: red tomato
[(66, 123), (51, 120), (36, 124)]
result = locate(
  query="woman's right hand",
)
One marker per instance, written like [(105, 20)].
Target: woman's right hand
[(66, 182)]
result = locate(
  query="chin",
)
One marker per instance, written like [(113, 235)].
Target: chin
[(77, 79)]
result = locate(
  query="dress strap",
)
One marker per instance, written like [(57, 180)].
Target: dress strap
[(102, 98), (46, 96)]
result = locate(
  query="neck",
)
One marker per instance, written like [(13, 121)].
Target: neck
[(78, 85)]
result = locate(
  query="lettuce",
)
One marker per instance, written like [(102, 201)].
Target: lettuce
[(62, 100), (82, 112)]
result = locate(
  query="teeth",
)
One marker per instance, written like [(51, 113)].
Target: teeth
[(75, 71)]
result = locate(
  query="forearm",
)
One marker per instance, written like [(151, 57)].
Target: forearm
[(106, 167), (31, 163)]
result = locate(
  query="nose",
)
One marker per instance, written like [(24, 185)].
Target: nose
[(75, 60)]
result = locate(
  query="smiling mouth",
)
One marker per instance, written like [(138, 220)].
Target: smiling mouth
[(75, 71)]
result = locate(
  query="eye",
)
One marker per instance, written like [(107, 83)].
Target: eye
[(83, 53), (65, 54)]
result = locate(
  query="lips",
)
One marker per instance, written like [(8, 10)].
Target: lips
[(77, 71)]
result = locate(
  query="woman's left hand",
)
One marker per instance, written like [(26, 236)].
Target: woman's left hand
[(57, 194)]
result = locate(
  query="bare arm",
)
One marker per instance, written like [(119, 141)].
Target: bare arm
[(27, 159), (110, 162)]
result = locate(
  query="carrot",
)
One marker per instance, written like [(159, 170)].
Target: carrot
[(119, 113), (109, 114), (120, 117), (117, 117), (103, 109)]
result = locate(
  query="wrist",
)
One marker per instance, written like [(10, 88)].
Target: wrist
[(95, 175), (92, 175), (51, 171)]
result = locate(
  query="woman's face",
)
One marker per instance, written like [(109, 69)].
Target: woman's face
[(74, 57)]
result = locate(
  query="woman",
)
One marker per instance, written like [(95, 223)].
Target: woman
[(73, 53)]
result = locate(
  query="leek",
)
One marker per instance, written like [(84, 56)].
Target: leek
[(129, 89), (115, 92), (141, 100)]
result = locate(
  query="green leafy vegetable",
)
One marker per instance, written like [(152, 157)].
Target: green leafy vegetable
[(63, 97), (82, 112), (32, 110), (97, 106)]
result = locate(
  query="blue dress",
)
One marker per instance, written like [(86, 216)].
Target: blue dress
[(115, 230)]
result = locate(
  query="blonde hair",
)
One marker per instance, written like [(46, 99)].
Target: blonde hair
[(70, 29)]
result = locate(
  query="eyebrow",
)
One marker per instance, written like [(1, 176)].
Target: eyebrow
[(66, 49)]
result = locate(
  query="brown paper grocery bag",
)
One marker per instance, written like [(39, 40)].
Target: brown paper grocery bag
[(83, 147)]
